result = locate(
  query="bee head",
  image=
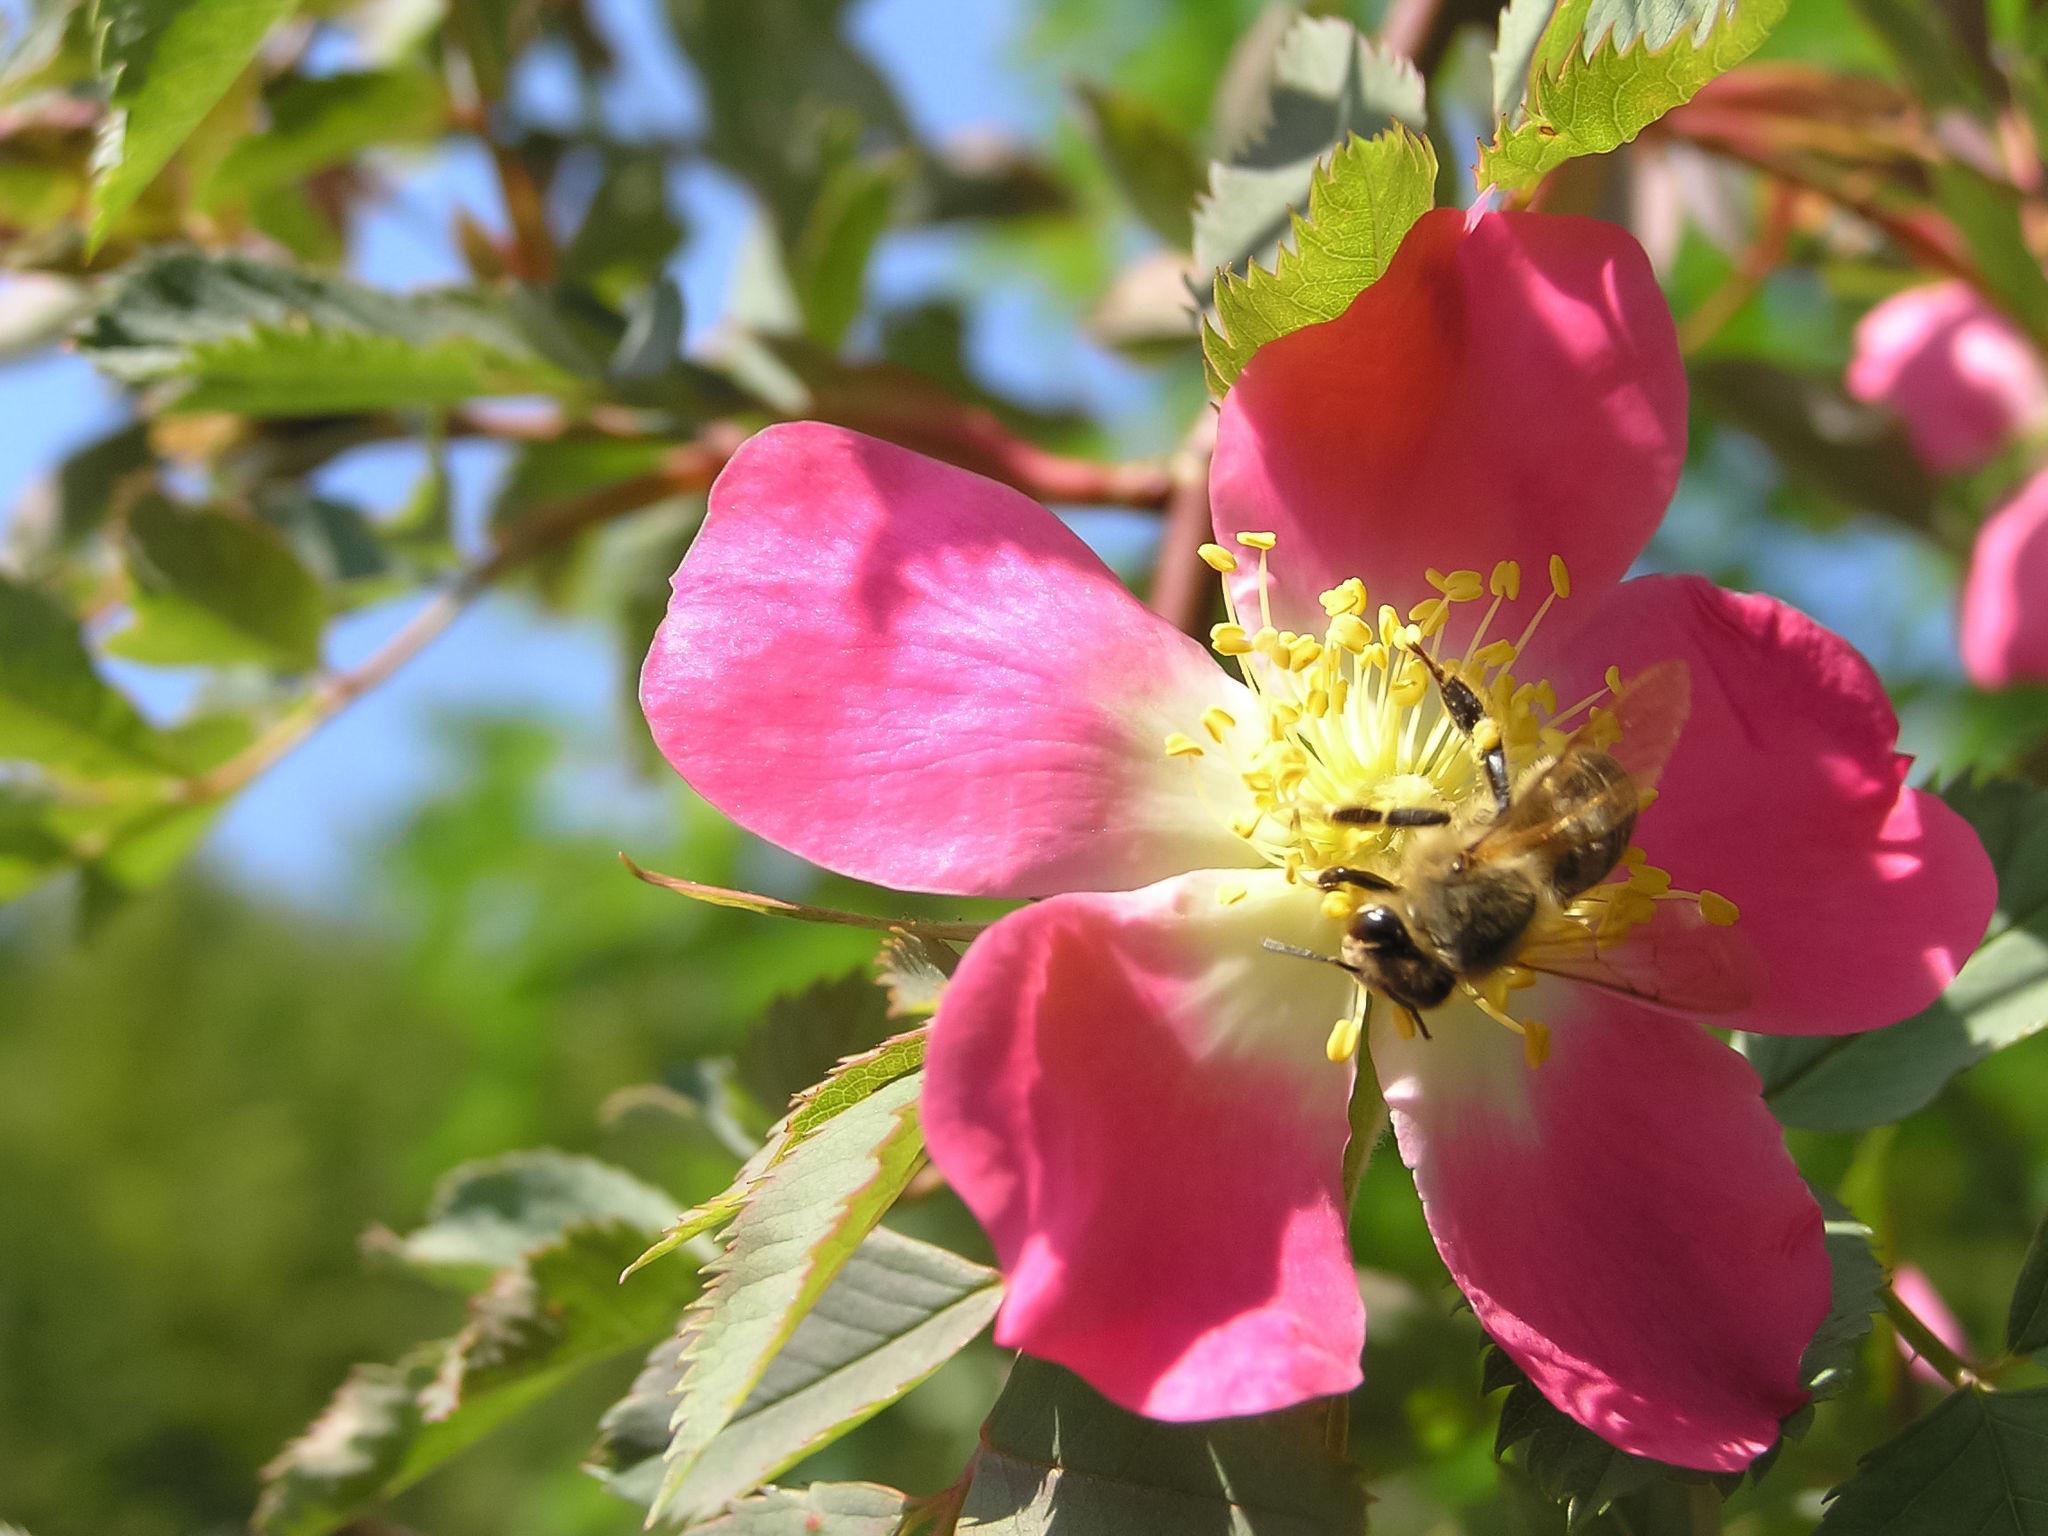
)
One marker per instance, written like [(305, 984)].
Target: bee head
[(1379, 927)]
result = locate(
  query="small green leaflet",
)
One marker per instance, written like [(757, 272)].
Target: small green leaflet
[(211, 589), (1359, 207), (823, 1509), (1328, 84), (857, 1078), (2026, 1322), (54, 708), (167, 63), (1057, 1457), (235, 334), (486, 1216), (1976, 1464), (1152, 160), (1849, 1082), (897, 1312), (801, 1222), (1587, 105)]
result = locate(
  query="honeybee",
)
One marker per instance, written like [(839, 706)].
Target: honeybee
[(1477, 892)]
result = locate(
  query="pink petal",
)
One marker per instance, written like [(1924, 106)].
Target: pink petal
[(1511, 391), (1133, 1098), (1625, 1219), (915, 676), (1959, 374), (1861, 897), (2005, 601)]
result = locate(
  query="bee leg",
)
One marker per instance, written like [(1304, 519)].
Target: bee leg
[(1344, 874), (1400, 816), (1469, 716), (1416, 1019)]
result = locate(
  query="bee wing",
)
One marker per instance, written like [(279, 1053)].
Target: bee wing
[(1677, 961), (1651, 710)]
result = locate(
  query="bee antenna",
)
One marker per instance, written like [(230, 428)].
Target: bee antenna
[(1302, 954)]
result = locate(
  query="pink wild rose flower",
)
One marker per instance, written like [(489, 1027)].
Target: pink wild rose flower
[(918, 677), (2005, 599), (1960, 375)]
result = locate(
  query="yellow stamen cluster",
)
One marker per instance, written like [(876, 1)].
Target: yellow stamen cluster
[(1350, 720)]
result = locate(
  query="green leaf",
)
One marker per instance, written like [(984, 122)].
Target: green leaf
[(2026, 1321), (828, 259), (1856, 1293), (348, 1454), (166, 63), (1589, 104), (532, 1330), (30, 849), (1849, 1082), (244, 336), (1152, 160), (1329, 83), (1978, 1463), (1522, 25), (1057, 1457), (54, 708), (823, 1509), (488, 1215), (212, 589), (1987, 214), (327, 120), (857, 1079), (802, 1221), (1359, 207), (804, 1035), (897, 1312)]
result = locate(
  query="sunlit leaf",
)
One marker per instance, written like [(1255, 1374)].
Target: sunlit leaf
[(802, 1220), (1974, 1464), (326, 120), (167, 63), (1329, 83), (245, 336), (1846, 1082), (897, 1312), (823, 1509), (488, 1215), (1587, 105), (1359, 207)]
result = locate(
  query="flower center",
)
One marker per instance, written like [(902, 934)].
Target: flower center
[(1366, 777)]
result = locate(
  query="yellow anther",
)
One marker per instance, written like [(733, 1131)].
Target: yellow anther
[(1259, 782), (1343, 1042), (1318, 704), (1553, 740), (1546, 697), (1230, 640), (1633, 857), (1345, 597), (1645, 799), (1404, 1024), (1437, 579), (1267, 642), (1257, 540), (1560, 578), (1291, 867), (1535, 1042), (1463, 586), (1340, 694), (1506, 580), (1650, 880), (1375, 657), (1486, 734), (1282, 719), (1217, 558), (1351, 632), (1179, 745), (1498, 654), (1216, 720), (1304, 653), (1389, 625), (1339, 905), (1247, 827), (1409, 687), (1613, 680), (1230, 895), (1718, 909), (1423, 611)]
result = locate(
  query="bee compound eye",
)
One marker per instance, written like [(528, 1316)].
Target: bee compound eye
[(1377, 922)]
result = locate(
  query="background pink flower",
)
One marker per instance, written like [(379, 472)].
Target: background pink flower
[(915, 676), (2005, 599), (1960, 375)]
